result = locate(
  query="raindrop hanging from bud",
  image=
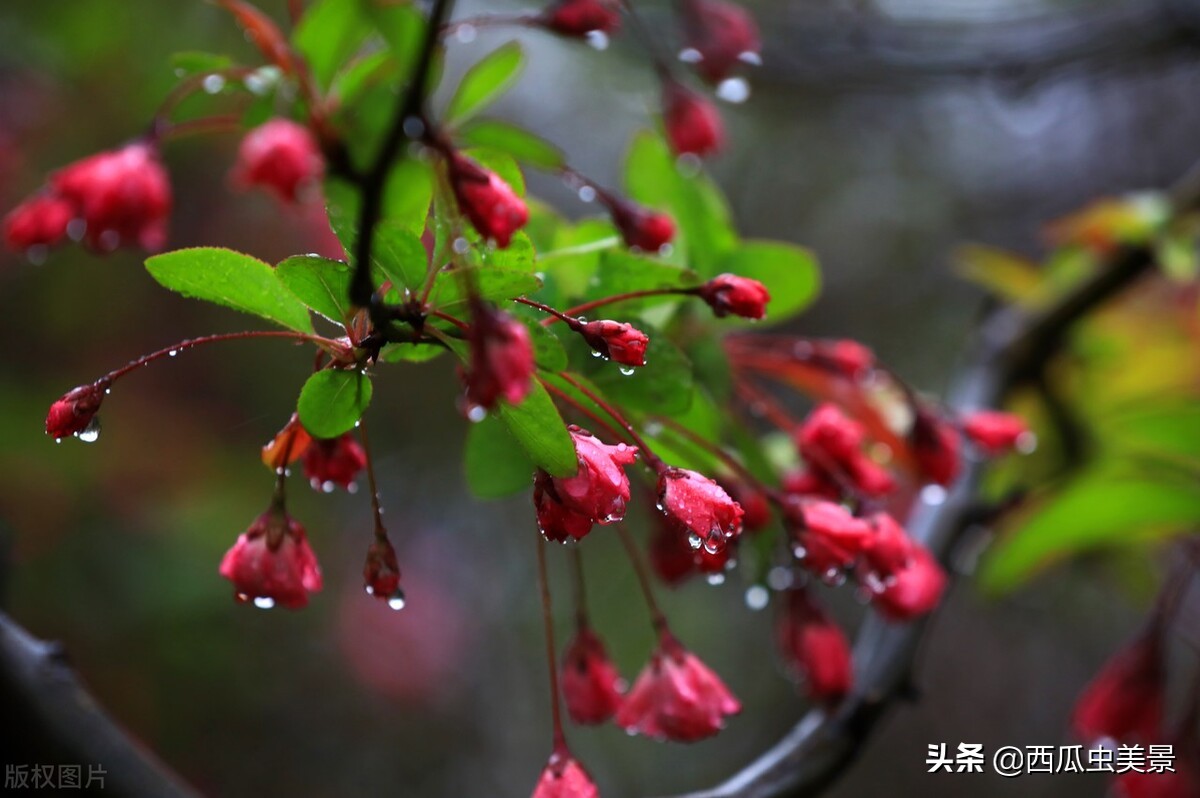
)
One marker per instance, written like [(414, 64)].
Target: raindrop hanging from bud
[(396, 601), (90, 433)]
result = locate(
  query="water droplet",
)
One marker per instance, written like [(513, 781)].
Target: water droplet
[(466, 33), (109, 240), (734, 90), (799, 551), (462, 246), (327, 486), (37, 254), (597, 39), (654, 428), (90, 433), (627, 370), (690, 55), (58, 440), (213, 83), (779, 578), (264, 602), (76, 228), (694, 540), (370, 591), (666, 249), (757, 597), (873, 583), (107, 391), (689, 164), (587, 194), (834, 577), (396, 601), (750, 57), (352, 489), (933, 494), (414, 128), (241, 598), (622, 447), (476, 413), (714, 542), (173, 353), (596, 353), (715, 579), (1027, 442)]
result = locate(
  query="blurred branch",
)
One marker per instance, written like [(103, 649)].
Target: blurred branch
[(1011, 348), (835, 42), (59, 720)]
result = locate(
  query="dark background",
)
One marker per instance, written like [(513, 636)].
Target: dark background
[(880, 134)]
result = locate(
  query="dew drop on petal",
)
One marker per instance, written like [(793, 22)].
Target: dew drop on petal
[(694, 540), (264, 602), (734, 90), (91, 433), (476, 413), (757, 597)]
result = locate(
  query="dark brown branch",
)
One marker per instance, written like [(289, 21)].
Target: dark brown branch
[(61, 723), (1011, 347)]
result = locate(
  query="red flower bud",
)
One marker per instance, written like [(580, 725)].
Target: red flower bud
[(936, 447), (828, 436), (640, 227), (851, 358), (886, 552), (381, 572), (334, 462), (692, 123), (676, 697), (814, 647), (501, 360), (916, 589), (1182, 782), (597, 493), (76, 411), (617, 341), (40, 221), (740, 296), (828, 538), (720, 35), (671, 556), (564, 777), (1125, 699), (701, 506), (994, 432), (590, 682), (578, 18), (271, 563), (755, 507), (123, 195), (281, 156), (811, 483), (492, 206)]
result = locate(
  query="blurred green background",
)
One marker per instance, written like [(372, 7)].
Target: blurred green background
[(878, 148)]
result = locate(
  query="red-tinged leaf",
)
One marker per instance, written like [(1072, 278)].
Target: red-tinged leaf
[(263, 33)]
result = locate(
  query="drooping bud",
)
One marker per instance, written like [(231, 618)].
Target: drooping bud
[(578, 18), (501, 359), (75, 412), (828, 538), (700, 505), (1125, 699), (381, 571), (596, 493), (493, 207), (271, 563), (676, 697), (334, 462), (564, 777), (719, 35), (617, 341), (850, 358), (814, 647), (728, 294), (936, 447), (122, 195), (693, 124), (40, 221), (281, 156), (994, 432), (641, 228), (915, 589), (590, 682)]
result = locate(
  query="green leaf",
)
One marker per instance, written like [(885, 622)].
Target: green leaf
[(501, 163), (705, 233), (622, 272), (407, 194), (321, 283), (663, 386), (495, 464), (548, 351), (1105, 507), (363, 72), (402, 27), (410, 353), (328, 34), (493, 284), (539, 430), (484, 82), (400, 255), (789, 272), (331, 402), (516, 141), (199, 63), (231, 279)]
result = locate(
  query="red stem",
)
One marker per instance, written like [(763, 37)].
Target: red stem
[(609, 300), (560, 740), (144, 360), (657, 619), (210, 124), (376, 510), (555, 315), (457, 322), (575, 555), (653, 460)]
